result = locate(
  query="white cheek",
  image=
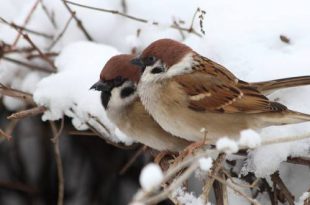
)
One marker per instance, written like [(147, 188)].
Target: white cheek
[(117, 102), (115, 99), (184, 66), (147, 76)]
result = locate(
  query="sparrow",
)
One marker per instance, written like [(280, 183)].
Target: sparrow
[(118, 86), (186, 92)]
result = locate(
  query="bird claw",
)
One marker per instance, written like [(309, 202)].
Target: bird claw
[(189, 150)]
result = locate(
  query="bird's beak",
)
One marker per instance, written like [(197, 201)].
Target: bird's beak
[(138, 62), (101, 86)]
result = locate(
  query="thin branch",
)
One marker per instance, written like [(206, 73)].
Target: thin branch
[(55, 140), (49, 15), (124, 6), (27, 113), (17, 186), (61, 33), (28, 65), (220, 191), (133, 159), (299, 160), (4, 90), (5, 135), (27, 38), (250, 186), (141, 20), (215, 169), (48, 54), (252, 201), (278, 181), (78, 21), (38, 33), (80, 133), (28, 17)]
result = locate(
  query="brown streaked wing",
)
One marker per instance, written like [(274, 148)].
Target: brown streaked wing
[(210, 93)]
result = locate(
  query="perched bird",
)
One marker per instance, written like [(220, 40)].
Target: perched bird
[(118, 81), (185, 92)]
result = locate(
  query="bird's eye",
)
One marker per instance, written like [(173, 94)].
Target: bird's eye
[(157, 70), (150, 60), (127, 91)]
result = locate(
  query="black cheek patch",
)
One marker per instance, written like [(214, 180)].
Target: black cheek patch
[(105, 98), (157, 70), (127, 91)]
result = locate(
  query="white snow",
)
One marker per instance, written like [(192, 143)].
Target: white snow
[(67, 92), (302, 198), (241, 35), (249, 138), (205, 163), (227, 145), (187, 198), (151, 177)]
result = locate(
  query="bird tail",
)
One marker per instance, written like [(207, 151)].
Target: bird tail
[(267, 87), (286, 117)]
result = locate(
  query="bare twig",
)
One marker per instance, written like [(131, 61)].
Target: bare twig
[(38, 33), (61, 33), (201, 19), (178, 26), (74, 132), (252, 185), (27, 38), (55, 140), (275, 194), (28, 65), (299, 160), (4, 90), (124, 6), (17, 186), (28, 17), (115, 12), (215, 169), (133, 159), (278, 181), (48, 54), (6, 135), (27, 113), (236, 190), (49, 15), (220, 191), (78, 21)]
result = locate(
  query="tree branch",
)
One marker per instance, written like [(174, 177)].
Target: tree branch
[(27, 113), (78, 21), (141, 20)]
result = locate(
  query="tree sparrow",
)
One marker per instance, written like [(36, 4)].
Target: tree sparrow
[(185, 92), (118, 80)]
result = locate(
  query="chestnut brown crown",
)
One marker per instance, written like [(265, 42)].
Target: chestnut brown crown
[(168, 51), (120, 65)]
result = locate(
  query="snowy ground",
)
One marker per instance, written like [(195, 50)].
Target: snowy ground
[(242, 35)]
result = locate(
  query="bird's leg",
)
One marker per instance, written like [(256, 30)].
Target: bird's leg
[(189, 150)]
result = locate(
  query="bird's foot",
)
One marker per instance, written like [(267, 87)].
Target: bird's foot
[(189, 150)]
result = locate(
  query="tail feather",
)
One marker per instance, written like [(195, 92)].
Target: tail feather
[(267, 87), (286, 117)]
